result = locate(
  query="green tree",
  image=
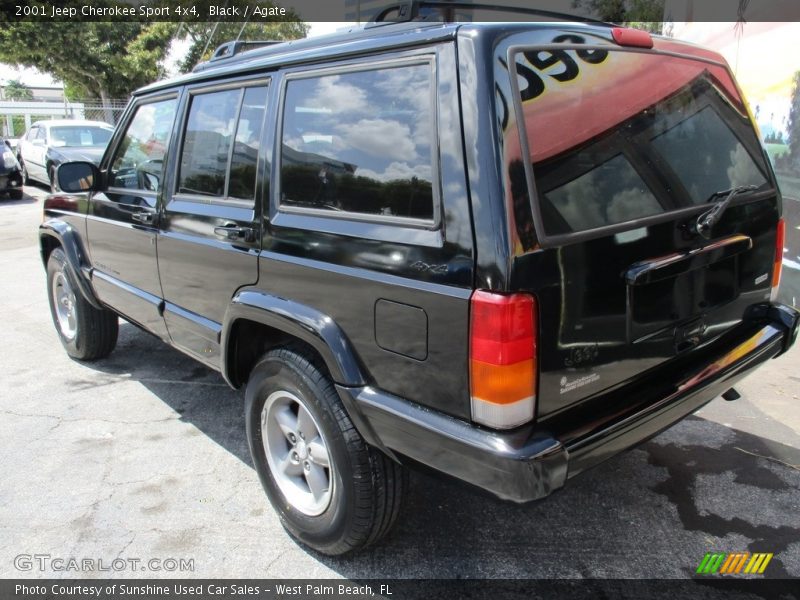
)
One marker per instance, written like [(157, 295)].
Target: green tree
[(205, 37), (16, 90), (108, 60), (642, 14), (98, 60)]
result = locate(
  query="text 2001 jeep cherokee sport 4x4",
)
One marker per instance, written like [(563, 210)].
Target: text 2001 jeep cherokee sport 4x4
[(504, 251)]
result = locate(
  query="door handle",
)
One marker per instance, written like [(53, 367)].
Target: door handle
[(234, 232), (148, 218)]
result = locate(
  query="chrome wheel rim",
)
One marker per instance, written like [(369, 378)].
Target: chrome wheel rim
[(64, 302), (297, 453)]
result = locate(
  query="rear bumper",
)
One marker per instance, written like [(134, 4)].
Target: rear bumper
[(530, 462)]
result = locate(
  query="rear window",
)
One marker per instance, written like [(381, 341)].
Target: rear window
[(360, 143), (616, 136), (80, 135)]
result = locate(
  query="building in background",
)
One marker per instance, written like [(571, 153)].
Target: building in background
[(40, 93)]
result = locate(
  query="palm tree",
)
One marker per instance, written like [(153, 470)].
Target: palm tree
[(16, 90)]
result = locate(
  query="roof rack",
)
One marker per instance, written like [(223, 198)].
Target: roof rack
[(412, 10), (231, 49)]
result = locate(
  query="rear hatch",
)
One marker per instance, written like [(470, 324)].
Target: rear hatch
[(630, 151)]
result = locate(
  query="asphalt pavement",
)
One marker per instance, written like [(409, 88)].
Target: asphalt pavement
[(142, 458)]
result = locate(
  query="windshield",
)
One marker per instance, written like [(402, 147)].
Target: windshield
[(615, 136), (79, 135)]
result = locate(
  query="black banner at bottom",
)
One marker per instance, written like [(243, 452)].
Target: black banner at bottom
[(396, 589)]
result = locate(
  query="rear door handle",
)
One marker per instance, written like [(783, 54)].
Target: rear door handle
[(234, 232), (148, 218)]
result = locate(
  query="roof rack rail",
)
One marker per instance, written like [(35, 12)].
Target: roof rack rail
[(411, 10), (231, 49)]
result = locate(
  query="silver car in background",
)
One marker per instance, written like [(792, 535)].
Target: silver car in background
[(49, 143)]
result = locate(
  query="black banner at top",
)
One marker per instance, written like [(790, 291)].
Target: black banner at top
[(361, 11)]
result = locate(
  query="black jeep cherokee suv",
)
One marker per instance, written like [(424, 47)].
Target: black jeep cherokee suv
[(504, 251)]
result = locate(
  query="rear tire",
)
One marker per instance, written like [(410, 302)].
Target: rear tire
[(357, 497), (87, 333), (26, 179)]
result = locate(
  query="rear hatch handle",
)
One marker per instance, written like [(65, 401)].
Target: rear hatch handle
[(672, 265)]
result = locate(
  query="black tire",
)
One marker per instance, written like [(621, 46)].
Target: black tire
[(95, 330), (53, 183), (367, 486), (15, 194), (26, 179)]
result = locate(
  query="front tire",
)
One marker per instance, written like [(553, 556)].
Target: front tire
[(87, 333), (26, 178), (331, 490), (53, 183)]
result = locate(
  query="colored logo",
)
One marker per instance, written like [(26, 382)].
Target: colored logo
[(734, 563)]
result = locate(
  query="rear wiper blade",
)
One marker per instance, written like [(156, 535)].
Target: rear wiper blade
[(710, 218)]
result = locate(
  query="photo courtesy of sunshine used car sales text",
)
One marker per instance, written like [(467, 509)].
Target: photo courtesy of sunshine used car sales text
[(273, 589)]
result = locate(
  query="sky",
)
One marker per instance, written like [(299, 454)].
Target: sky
[(34, 78), (764, 61)]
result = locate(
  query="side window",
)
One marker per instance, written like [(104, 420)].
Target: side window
[(221, 143), (247, 144), (360, 142), (139, 159), (41, 134)]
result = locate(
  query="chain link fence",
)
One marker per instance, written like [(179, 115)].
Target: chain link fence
[(96, 111), (17, 116)]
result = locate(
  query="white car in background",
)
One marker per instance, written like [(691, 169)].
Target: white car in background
[(49, 143)]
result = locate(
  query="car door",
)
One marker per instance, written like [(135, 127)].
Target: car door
[(209, 232), (24, 143), (122, 220), (33, 153)]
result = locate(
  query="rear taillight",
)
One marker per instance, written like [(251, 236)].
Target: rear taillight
[(780, 238), (503, 358)]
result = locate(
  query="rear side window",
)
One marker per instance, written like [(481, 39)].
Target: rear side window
[(207, 142), (84, 135), (360, 142), (221, 143), (615, 136), (247, 143)]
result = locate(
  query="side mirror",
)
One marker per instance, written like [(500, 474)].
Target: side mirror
[(77, 177)]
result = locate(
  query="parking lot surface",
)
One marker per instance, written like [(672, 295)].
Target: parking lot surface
[(143, 456)]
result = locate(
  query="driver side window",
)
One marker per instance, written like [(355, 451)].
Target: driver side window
[(139, 159)]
